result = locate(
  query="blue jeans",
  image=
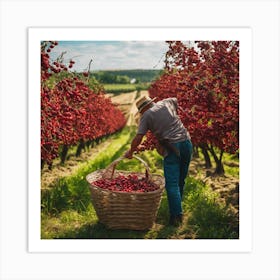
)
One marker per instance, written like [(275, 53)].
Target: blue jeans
[(175, 172)]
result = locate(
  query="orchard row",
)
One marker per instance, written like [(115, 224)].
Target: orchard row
[(71, 111), (205, 79)]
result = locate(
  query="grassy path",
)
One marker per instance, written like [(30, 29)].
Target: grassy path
[(67, 211), (65, 202)]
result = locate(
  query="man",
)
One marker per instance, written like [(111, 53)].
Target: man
[(162, 120)]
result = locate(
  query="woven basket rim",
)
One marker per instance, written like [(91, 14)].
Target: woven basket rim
[(122, 192)]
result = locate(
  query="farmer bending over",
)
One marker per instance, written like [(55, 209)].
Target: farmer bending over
[(162, 120)]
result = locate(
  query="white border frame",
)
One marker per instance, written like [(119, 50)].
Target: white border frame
[(244, 35)]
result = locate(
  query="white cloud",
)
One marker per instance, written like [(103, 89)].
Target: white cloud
[(112, 55)]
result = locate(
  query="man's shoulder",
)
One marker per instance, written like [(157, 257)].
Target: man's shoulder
[(146, 115), (170, 101)]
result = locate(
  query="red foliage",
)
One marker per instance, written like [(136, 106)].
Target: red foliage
[(70, 110), (150, 143), (205, 81)]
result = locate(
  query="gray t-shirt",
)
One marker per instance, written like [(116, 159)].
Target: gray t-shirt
[(163, 121)]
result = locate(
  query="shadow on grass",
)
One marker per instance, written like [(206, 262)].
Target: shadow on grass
[(97, 230), (90, 228), (100, 231)]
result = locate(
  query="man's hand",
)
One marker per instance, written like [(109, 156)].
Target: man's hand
[(134, 144), (128, 154)]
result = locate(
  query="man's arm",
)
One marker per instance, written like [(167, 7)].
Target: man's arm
[(134, 144)]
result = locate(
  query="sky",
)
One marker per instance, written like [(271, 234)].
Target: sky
[(112, 55)]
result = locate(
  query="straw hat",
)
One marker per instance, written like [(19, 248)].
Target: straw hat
[(143, 102)]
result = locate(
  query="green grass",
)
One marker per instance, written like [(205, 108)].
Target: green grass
[(231, 165), (205, 217), (125, 88), (67, 211), (72, 192), (208, 216), (119, 88)]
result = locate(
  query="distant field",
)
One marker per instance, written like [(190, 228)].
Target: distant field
[(142, 75), (119, 88), (124, 88)]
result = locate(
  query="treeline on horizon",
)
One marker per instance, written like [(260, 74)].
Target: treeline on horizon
[(126, 76)]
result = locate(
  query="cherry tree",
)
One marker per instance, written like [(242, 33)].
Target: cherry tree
[(71, 112), (204, 76)]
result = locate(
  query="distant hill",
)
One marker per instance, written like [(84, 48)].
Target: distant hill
[(141, 75)]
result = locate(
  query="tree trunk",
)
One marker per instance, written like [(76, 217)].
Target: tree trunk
[(64, 153), (93, 143), (42, 164), (50, 166), (195, 152), (207, 159), (88, 144), (80, 147), (218, 160), (219, 168)]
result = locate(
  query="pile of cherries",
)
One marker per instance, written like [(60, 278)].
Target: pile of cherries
[(130, 183)]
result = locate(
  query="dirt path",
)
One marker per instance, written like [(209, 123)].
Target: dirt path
[(226, 186), (123, 98), (49, 177), (133, 117), (127, 103)]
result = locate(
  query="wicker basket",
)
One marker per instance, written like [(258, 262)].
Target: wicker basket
[(123, 210)]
